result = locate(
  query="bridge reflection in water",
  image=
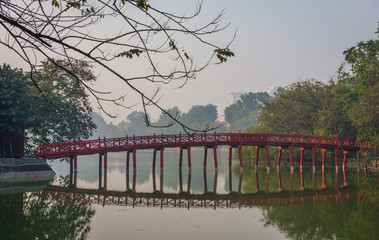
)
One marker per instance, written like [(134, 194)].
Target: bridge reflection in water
[(235, 198)]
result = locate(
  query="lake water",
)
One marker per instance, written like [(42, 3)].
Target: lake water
[(196, 204)]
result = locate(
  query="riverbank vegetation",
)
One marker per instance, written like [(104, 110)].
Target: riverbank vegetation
[(347, 106)]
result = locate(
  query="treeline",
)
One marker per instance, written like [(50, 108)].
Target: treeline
[(347, 106), (198, 118), (244, 113)]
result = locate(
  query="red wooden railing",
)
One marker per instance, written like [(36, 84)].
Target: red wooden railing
[(102, 145)]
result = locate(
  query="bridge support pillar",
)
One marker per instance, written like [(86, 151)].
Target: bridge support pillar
[(301, 180), (215, 156), (301, 158), (256, 155), (134, 160), (230, 156), (161, 159), (279, 156), (105, 161), (161, 180), (205, 157), (336, 158), (154, 157), (189, 184), (291, 156), (314, 158), (240, 155), (357, 153), (71, 165), (240, 183), (205, 181), (100, 170), (75, 163), (215, 183), (323, 158), (105, 169), (189, 158), (181, 158), (100, 161), (127, 160), (267, 157), (344, 159)]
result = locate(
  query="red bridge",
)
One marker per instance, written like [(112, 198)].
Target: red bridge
[(234, 140)]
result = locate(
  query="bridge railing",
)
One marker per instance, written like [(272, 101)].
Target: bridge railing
[(204, 139)]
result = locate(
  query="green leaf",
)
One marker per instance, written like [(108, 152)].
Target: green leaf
[(130, 53), (223, 54)]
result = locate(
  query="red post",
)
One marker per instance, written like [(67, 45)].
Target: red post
[(215, 155), (230, 155), (154, 157), (301, 180), (180, 157), (291, 155), (301, 157), (189, 157), (105, 161), (127, 160), (291, 183), (205, 157), (240, 183), (314, 157), (256, 155), (323, 180), (323, 157), (75, 163), (161, 181), (357, 153), (267, 157), (240, 155), (100, 162), (279, 155), (344, 158), (134, 160), (336, 157), (161, 158), (215, 183)]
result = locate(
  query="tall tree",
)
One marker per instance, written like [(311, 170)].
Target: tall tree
[(67, 114), (66, 29), (362, 80), (245, 111), (15, 110)]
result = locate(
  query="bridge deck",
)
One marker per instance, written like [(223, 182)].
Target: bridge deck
[(103, 145)]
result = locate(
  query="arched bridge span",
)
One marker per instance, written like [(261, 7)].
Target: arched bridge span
[(234, 140)]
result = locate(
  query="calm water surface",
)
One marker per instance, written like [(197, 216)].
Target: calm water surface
[(196, 204)]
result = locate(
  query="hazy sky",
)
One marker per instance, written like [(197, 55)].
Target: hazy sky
[(278, 42)]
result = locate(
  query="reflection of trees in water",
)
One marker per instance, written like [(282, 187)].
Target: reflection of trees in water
[(37, 219), (349, 219)]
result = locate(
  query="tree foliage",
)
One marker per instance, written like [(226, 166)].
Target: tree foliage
[(15, 110), (107, 34), (346, 106), (245, 111), (198, 117), (67, 114)]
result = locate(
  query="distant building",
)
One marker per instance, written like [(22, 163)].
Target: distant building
[(221, 118), (272, 90), (233, 97)]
